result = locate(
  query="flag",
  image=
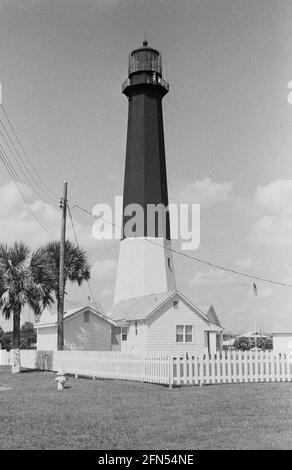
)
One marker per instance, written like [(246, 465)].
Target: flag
[(255, 289)]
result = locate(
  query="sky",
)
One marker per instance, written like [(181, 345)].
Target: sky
[(227, 124)]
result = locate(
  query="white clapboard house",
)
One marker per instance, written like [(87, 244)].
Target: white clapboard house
[(85, 329), (164, 322)]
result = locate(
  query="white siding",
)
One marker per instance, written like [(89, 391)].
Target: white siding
[(135, 342), (162, 329), (92, 336), (282, 343), (47, 339)]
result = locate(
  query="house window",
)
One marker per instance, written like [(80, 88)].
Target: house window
[(86, 317), (175, 304), (136, 328), (124, 333), (184, 333), (188, 333), (179, 333)]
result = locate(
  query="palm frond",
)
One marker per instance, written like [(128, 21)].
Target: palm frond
[(77, 268)]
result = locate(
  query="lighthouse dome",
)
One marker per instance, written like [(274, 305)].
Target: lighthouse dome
[(145, 59)]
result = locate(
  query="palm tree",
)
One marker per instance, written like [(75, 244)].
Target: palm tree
[(26, 279), (76, 269)]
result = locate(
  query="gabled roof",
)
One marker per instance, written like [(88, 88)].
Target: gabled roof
[(141, 308), (212, 316), (138, 308), (49, 318)]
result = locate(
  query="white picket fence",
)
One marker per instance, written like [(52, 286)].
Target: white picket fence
[(231, 367), (163, 368), (144, 367)]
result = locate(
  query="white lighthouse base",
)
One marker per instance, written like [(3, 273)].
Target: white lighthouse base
[(145, 267)]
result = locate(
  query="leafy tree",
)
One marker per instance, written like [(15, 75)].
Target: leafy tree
[(265, 344), (76, 270), (28, 335), (1, 338), (25, 279), (6, 340), (243, 344)]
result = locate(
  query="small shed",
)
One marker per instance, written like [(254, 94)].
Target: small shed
[(85, 329), (282, 342)]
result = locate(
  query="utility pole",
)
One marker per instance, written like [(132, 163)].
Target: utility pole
[(63, 205)]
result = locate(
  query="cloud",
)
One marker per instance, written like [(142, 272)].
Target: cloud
[(283, 320), (17, 222), (106, 293), (205, 192), (104, 269), (275, 198), (215, 278), (246, 263), (212, 278), (272, 231), (273, 206)]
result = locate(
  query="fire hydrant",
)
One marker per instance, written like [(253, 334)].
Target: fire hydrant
[(61, 379)]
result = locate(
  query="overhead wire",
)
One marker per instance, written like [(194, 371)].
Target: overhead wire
[(11, 171), (199, 260), (78, 246), (18, 160), (36, 178)]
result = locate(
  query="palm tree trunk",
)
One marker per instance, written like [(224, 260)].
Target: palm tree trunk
[(16, 342)]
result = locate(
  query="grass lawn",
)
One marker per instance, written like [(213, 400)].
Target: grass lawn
[(106, 414)]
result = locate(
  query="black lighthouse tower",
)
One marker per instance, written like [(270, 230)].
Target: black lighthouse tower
[(145, 172), (145, 268)]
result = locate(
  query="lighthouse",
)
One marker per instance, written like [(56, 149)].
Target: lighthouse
[(145, 264)]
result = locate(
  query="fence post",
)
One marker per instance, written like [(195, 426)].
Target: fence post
[(170, 370)]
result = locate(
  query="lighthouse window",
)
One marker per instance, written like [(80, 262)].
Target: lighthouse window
[(124, 333), (169, 263)]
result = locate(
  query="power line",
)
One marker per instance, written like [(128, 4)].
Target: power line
[(78, 246), (23, 169), (14, 177), (21, 165), (17, 181), (18, 184), (199, 260), (37, 176), (223, 268)]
